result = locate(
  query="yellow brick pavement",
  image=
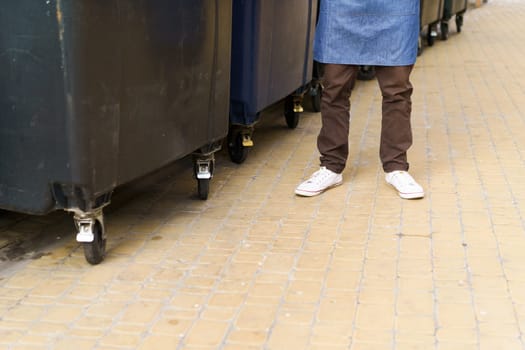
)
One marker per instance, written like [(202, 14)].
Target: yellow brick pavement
[(255, 267)]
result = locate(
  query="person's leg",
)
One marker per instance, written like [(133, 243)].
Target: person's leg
[(332, 142), (396, 130)]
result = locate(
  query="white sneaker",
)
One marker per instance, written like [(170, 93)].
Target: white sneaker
[(405, 184), (319, 182)]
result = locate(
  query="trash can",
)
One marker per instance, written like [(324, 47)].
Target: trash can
[(272, 59), (95, 94), (451, 8), (431, 12)]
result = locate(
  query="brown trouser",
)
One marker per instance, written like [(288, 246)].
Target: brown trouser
[(396, 132)]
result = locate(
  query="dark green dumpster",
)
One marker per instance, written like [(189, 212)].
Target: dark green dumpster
[(95, 94)]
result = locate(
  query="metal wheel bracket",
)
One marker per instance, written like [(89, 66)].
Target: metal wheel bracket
[(297, 104), (315, 90), (204, 168), (241, 134), (85, 223), (247, 140)]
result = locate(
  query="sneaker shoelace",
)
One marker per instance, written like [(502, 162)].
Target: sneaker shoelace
[(404, 178), (319, 176)]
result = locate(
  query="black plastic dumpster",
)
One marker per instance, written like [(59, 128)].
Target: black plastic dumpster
[(431, 12), (451, 8), (271, 60), (97, 93)]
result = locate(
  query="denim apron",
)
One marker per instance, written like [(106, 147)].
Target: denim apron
[(367, 32)]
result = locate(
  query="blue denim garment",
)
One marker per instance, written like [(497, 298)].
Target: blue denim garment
[(367, 32)]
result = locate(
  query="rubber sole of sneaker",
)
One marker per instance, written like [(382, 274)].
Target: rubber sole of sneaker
[(417, 195), (316, 193)]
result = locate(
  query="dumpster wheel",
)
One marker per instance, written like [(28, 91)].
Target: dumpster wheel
[(291, 111), (316, 91), (237, 151), (444, 30), (203, 188), (459, 22), (95, 251), (203, 168), (431, 35)]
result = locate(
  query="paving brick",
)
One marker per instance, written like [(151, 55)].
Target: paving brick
[(295, 315), (160, 342), (357, 345), (308, 275), (215, 333), (331, 334), (288, 336), (335, 312), (254, 317), (456, 315), (25, 280), (462, 335), (118, 339), (74, 343), (415, 303), (140, 312), (490, 342), (231, 300), (303, 292), (218, 314), (457, 345), (377, 296), (247, 337), (412, 325), (381, 336), (63, 314), (375, 316), (21, 313)]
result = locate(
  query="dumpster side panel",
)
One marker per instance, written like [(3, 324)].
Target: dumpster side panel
[(431, 12), (245, 80), (33, 148), (458, 6), (453, 7), (220, 91), (174, 73), (271, 53), (90, 48), (291, 48)]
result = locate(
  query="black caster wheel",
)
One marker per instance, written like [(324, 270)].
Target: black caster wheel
[(444, 30), (366, 73), (315, 96), (95, 251), (236, 149), (203, 188), (459, 22), (430, 38), (292, 117)]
